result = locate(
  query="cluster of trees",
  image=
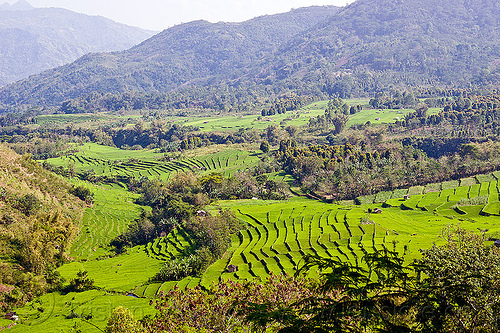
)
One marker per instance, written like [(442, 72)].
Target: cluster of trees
[(336, 114), (347, 171), (451, 288), (338, 106), (393, 100), (220, 98), (466, 116), (194, 142), (49, 142), (287, 103)]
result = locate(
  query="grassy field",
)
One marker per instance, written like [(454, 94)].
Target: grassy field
[(297, 118), (109, 217), (210, 122), (75, 312)]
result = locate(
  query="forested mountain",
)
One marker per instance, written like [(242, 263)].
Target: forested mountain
[(35, 39), (363, 47), (375, 43), (199, 52)]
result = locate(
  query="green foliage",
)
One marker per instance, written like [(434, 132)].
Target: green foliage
[(212, 235), (460, 291), (222, 307), (82, 282), (177, 269), (83, 193), (287, 103), (264, 146), (28, 204), (122, 321), (393, 100)]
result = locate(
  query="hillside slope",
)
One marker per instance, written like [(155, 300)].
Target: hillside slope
[(37, 215), (375, 43), (33, 40)]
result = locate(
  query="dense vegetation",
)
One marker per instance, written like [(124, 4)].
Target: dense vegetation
[(37, 225)]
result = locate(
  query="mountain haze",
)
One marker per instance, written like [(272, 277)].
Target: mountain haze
[(20, 5), (35, 39), (364, 47)]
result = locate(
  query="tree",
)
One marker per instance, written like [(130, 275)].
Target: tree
[(461, 288), (82, 282), (264, 146), (122, 321), (28, 204), (421, 110), (83, 193)]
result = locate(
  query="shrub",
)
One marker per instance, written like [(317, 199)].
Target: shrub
[(82, 282), (83, 193), (122, 321), (177, 269), (222, 308), (28, 204)]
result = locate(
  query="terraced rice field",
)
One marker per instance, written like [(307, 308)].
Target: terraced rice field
[(279, 234), (431, 196), (109, 217), (227, 162), (447, 201)]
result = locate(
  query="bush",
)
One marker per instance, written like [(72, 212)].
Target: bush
[(83, 193), (222, 307), (122, 321), (82, 282), (28, 204), (177, 269)]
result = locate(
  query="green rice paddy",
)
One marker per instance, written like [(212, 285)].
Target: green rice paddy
[(210, 122), (114, 162), (277, 236)]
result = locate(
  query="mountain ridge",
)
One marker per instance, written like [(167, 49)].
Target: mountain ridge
[(19, 5), (364, 47), (175, 57)]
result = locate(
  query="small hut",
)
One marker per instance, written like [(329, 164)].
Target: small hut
[(377, 211), (201, 213), (11, 316), (232, 268), (406, 197)]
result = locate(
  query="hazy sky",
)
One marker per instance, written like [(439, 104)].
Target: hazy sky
[(161, 14)]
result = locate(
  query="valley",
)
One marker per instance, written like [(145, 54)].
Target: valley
[(325, 169)]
